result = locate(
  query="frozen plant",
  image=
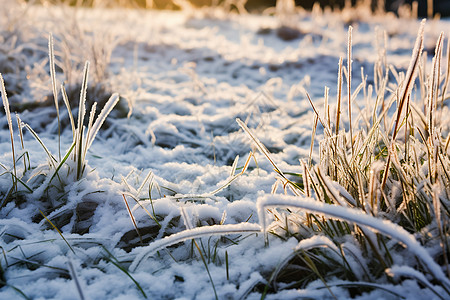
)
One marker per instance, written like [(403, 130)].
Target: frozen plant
[(385, 183), (60, 169)]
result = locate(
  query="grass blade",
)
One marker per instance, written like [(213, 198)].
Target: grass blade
[(339, 97), (260, 146), (190, 234), (359, 217), (116, 263), (69, 110), (132, 219), (74, 276), (51, 56), (406, 88), (112, 101), (349, 84), (81, 112), (410, 77), (8, 117), (61, 163), (56, 228), (52, 159)]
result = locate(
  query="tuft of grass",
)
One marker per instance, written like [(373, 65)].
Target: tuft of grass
[(47, 182), (375, 190), (82, 138)]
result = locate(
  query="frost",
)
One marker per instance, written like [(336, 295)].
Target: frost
[(170, 145), (353, 215)]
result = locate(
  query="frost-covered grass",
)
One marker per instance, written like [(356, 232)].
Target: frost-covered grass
[(377, 188), (151, 198)]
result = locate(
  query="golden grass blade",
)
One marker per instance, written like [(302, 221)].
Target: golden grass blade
[(406, 90), (447, 144), (339, 96), (132, 219), (447, 74), (349, 84), (234, 166), (433, 86), (318, 116), (233, 177), (313, 135), (305, 178), (411, 73), (332, 192), (56, 228), (139, 204), (326, 108), (260, 146)]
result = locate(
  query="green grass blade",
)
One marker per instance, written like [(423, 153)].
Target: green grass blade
[(52, 159), (62, 162)]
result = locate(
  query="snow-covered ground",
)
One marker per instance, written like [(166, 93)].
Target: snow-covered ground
[(184, 78)]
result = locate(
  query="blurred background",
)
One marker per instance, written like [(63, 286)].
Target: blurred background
[(425, 7)]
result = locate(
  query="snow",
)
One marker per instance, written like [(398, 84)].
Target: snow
[(183, 80), (359, 217)]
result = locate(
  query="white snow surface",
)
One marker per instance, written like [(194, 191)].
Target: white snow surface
[(184, 78)]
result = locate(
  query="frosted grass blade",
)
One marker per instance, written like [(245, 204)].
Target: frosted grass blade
[(51, 56), (8, 117), (356, 216), (405, 271), (147, 178), (190, 234), (260, 146), (349, 84), (406, 88), (91, 120), (101, 118), (410, 76), (69, 110), (52, 159), (80, 129)]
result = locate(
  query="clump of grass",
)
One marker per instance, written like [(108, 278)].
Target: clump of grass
[(62, 169), (82, 138), (373, 189)]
